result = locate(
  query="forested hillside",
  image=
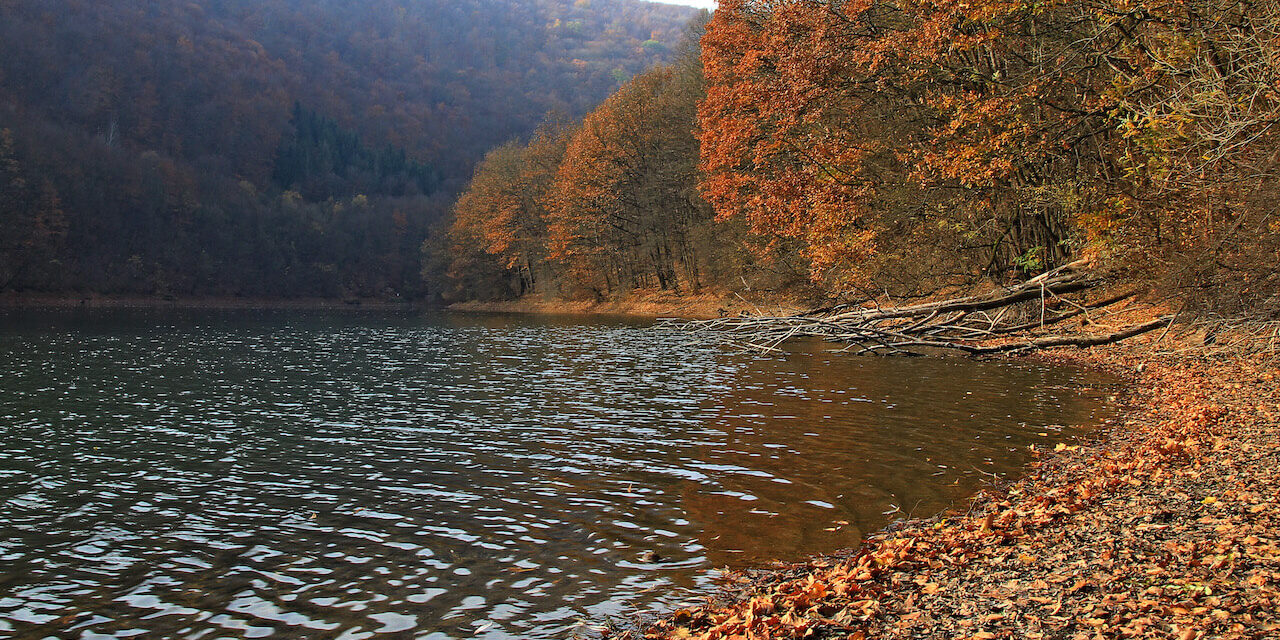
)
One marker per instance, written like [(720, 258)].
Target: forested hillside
[(605, 206), (276, 147), (594, 208), (901, 149)]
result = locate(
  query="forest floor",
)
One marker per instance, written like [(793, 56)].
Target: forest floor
[(647, 304), (1166, 525)]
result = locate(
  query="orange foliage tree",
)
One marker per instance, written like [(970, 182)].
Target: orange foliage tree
[(940, 140), (501, 212), (956, 129), (623, 210)]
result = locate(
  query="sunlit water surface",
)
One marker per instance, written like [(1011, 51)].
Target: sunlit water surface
[(357, 475)]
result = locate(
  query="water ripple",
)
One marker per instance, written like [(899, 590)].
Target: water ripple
[(193, 475)]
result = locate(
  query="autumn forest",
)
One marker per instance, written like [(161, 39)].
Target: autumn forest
[(856, 150), (587, 150)]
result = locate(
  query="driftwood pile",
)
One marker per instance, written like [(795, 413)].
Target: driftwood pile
[(1017, 319)]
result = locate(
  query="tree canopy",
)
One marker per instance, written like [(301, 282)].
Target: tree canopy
[(910, 144)]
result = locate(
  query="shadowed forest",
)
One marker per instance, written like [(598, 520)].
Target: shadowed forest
[(276, 148)]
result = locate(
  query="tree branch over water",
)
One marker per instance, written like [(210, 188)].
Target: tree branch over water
[(1008, 320)]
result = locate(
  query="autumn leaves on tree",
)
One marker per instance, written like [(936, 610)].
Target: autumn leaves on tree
[(905, 147), (915, 141), (594, 209), (621, 213)]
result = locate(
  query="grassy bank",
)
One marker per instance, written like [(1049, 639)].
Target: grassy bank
[(1165, 525)]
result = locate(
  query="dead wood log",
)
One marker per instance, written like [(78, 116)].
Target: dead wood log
[(1089, 340), (982, 324), (1063, 280), (1059, 317)]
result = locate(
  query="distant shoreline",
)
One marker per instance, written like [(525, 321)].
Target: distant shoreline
[(639, 305), (97, 301)]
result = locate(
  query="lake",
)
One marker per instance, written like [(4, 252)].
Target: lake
[(239, 474)]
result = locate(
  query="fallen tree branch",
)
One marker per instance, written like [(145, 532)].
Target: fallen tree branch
[(974, 303), (983, 324), (1079, 340)]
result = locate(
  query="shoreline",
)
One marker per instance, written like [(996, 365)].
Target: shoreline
[(96, 301), (1162, 524), (648, 304)]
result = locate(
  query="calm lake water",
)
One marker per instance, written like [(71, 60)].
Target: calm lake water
[(212, 474)]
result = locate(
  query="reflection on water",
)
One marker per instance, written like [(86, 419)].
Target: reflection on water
[(219, 474)]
